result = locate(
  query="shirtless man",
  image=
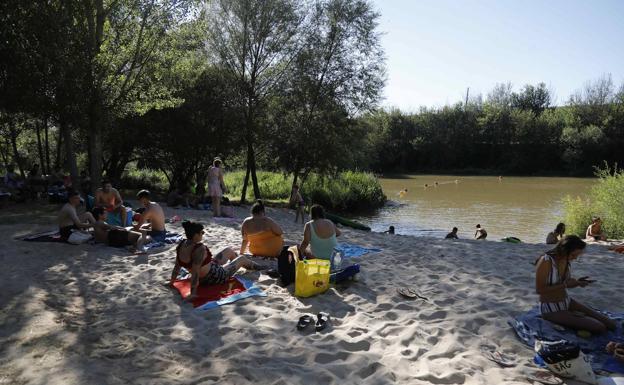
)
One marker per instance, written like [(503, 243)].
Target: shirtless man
[(68, 217), (480, 233), (594, 231), (109, 198), (153, 218), (116, 236)]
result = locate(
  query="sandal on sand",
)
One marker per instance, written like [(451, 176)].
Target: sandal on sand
[(304, 321), (501, 359), (544, 377), (407, 293), (321, 323)]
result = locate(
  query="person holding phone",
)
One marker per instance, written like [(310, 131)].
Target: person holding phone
[(553, 278)]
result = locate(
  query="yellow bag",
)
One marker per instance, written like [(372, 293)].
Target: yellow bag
[(311, 277)]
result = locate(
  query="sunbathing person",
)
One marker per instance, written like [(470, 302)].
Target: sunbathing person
[(555, 236), (480, 233), (553, 278), (116, 236), (320, 234), (594, 231), (452, 234), (152, 218), (205, 268), (261, 233), (109, 198), (69, 219)]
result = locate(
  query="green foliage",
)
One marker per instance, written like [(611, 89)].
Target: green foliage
[(605, 199), (138, 179), (347, 191)]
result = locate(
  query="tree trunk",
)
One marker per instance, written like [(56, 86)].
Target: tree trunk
[(70, 155), (46, 131), (295, 177), (40, 149), (95, 141), (59, 145), (16, 155), (245, 182), (252, 169)]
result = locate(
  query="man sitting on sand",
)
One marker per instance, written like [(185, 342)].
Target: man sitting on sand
[(262, 234), (116, 236), (594, 231), (452, 234), (480, 233), (109, 198), (68, 218), (152, 218)]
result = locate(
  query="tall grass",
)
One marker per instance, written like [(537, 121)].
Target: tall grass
[(605, 199), (348, 191), (153, 180)]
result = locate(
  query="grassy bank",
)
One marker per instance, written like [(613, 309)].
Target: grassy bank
[(605, 199), (346, 192)]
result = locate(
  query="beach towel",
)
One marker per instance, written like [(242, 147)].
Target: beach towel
[(530, 326), (114, 218), (352, 251), (48, 236), (170, 238), (211, 296)]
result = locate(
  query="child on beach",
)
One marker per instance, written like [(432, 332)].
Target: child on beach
[(116, 236), (594, 231), (297, 201)]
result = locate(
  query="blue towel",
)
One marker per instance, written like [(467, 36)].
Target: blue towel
[(530, 326), (170, 238), (351, 251)]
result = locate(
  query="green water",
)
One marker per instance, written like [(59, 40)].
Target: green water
[(523, 207)]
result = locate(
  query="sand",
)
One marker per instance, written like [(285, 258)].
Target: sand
[(96, 315)]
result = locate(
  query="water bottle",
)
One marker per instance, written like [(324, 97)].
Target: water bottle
[(336, 260)]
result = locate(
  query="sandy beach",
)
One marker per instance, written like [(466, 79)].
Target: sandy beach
[(98, 315)]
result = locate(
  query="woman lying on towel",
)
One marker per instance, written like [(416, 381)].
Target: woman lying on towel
[(205, 268), (553, 279), (261, 233)]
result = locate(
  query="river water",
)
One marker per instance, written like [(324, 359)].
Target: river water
[(523, 207)]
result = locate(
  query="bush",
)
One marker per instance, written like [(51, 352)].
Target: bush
[(346, 192), (136, 179), (605, 199)]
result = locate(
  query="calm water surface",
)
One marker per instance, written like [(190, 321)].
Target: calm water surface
[(524, 207)]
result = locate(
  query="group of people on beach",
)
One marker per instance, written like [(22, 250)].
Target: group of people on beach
[(261, 237)]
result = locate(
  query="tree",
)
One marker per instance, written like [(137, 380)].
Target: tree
[(256, 42), (532, 98), (338, 74)]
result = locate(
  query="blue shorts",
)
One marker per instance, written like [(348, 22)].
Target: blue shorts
[(158, 236)]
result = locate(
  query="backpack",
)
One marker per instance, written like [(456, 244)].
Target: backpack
[(286, 263)]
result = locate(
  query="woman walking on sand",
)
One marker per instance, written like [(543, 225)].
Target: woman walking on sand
[(216, 186)]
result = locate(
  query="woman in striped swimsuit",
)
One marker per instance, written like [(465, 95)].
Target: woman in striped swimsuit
[(554, 277)]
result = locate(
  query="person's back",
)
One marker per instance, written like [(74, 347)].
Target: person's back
[(67, 216), (452, 234), (261, 233), (322, 238)]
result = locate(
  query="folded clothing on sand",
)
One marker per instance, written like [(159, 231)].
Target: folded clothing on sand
[(170, 238), (531, 326), (211, 296)]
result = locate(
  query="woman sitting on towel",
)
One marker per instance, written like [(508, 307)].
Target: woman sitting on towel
[(320, 234), (261, 233), (553, 278), (205, 268)]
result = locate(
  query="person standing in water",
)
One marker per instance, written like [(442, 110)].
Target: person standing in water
[(480, 233), (452, 234), (555, 236)]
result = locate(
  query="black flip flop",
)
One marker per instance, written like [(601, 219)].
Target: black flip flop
[(273, 273), (322, 321), (304, 321)]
